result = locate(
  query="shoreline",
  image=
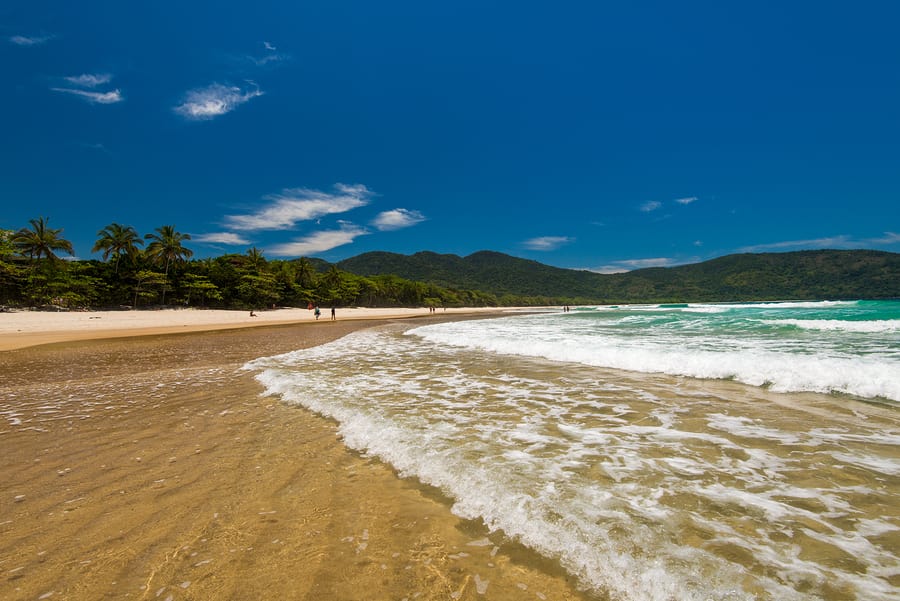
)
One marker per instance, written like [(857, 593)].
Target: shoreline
[(151, 467), (23, 329)]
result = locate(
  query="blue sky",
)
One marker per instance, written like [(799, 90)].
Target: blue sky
[(591, 135)]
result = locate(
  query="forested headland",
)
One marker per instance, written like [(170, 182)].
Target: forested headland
[(158, 269)]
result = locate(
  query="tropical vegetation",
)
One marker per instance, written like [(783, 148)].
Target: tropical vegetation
[(163, 273)]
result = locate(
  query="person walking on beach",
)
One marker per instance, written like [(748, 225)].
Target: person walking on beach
[(317, 312), (333, 318)]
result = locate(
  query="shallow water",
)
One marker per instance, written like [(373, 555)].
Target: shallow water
[(640, 485), (152, 469)]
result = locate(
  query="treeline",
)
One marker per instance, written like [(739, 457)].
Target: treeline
[(813, 275), (157, 269)]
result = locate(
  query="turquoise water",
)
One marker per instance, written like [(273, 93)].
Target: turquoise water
[(850, 347), (691, 452)]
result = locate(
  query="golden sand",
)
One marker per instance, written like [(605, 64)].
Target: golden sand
[(151, 468), (21, 329)]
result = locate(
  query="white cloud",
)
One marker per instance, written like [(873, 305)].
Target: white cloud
[(547, 242), (889, 238), (89, 80), (272, 55), (397, 219), (643, 263), (647, 207), (632, 264), (94, 97), (22, 40), (318, 241), (842, 241), (213, 101), (300, 204), (830, 242), (686, 201), (228, 238), (269, 58)]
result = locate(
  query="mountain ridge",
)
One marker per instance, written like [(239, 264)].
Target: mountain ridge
[(814, 274)]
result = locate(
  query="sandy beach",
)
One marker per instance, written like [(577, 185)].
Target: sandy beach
[(20, 329), (139, 466)]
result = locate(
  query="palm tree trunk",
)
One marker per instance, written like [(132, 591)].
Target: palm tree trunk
[(165, 283)]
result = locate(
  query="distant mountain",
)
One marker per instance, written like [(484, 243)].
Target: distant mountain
[(822, 274)]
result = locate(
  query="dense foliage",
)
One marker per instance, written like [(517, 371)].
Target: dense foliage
[(823, 274), (33, 275)]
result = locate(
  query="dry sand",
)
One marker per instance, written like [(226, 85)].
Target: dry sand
[(151, 468), (20, 329)]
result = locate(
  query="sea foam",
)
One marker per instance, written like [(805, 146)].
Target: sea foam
[(721, 345), (637, 495)]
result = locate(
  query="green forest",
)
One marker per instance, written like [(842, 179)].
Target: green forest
[(158, 269)]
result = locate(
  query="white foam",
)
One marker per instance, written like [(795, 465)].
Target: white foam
[(825, 325), (759, 360), (585, 471), (883, 465)]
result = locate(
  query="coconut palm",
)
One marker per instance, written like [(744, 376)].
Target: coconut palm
[(166, 247), (116, 239), (40, 240), (306, 273), (255, 260)]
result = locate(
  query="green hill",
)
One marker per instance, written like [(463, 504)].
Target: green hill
[(823, 274)]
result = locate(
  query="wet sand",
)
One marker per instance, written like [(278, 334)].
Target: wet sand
[(151, 468)]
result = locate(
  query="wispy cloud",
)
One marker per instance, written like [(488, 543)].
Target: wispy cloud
[(269, 57), (89, 80), (319, 241), (889, 238), (215, 100), (97, 146), (841, 241), (632, 264), (94, 97), (397, 219), (547, 242), (227, 238), (644, 263), (829, 242), (84, 88), (653, 205), (24, 40), (293, 205)]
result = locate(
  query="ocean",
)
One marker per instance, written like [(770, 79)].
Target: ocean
[(654, 452)]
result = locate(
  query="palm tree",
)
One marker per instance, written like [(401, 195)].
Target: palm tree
[(166, 247), (306, 273), (116, 239), (40, 240), (255, 259)]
